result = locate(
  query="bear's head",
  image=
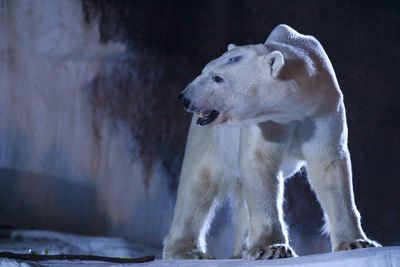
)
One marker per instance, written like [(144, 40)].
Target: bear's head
[(247, 83)]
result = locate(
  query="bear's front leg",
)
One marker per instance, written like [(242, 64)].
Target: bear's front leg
[(263, 192), (193, 211)]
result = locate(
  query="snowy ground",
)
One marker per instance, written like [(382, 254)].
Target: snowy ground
[(50, 243)]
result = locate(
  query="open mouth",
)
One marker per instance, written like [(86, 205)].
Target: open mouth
[(207, 117)]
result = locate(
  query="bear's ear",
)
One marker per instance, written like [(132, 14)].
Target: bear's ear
[(231, 46), (275, 62)]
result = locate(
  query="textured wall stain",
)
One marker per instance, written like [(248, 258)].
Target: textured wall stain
[(90, 115)]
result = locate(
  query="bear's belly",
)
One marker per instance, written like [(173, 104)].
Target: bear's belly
[(227, 144), (290, 166)]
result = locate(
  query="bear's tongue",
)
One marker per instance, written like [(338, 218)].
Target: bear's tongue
[(207, 117)]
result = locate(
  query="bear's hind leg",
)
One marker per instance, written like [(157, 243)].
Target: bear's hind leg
[(332, 182)]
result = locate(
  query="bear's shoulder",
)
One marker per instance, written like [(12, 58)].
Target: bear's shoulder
[(299, 47), (284, 34), (281, 33)]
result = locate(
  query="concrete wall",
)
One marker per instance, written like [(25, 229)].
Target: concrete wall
[(65, 164)]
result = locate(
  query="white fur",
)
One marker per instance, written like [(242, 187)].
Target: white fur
[(281, 108)]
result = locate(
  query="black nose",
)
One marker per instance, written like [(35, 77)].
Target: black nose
[(180, 96), (184, 100)]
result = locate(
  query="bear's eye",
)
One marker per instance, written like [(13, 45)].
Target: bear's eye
[(217, 79)]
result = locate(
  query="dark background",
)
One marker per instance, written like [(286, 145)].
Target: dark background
[(362, 40)]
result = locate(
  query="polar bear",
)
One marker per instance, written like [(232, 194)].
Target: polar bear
[(261, 112)]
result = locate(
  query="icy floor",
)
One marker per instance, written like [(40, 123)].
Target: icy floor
[(47, 242), (51, 243)]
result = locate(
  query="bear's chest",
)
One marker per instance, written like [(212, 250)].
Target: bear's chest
[(227, 146)]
